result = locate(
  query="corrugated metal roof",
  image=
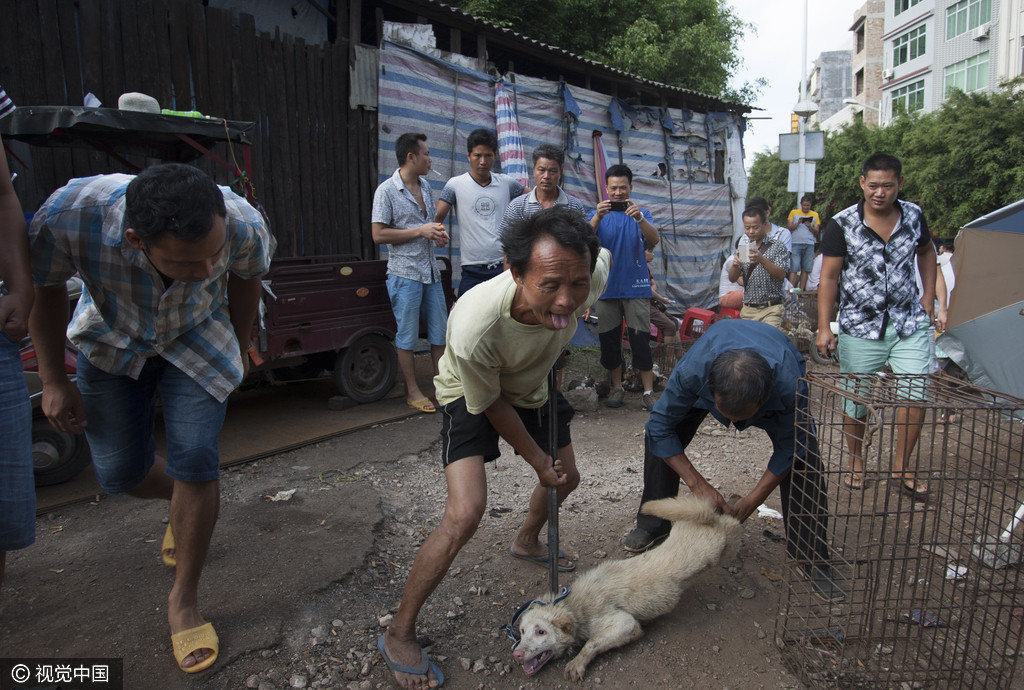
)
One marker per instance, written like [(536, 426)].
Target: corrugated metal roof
[(519, 38)]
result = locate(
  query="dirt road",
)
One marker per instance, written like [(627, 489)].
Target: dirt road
[(300, 589)]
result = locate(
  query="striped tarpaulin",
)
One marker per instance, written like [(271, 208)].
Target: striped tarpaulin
[(510, 144), (672, 169)]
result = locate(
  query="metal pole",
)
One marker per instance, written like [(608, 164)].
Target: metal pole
[(802, 164), (553, 490)]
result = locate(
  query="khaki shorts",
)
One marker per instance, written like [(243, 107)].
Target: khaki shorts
[(770, 315), (611, 312)]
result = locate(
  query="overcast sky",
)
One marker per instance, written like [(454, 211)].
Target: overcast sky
[(774, 51)]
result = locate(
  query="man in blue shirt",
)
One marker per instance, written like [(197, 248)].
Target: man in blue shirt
[(747, 373), (623, 227)]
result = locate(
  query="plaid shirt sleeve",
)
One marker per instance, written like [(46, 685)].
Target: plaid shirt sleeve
[(52, 263), (255, 245)]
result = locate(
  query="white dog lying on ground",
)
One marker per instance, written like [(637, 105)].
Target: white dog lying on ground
[(606, 604)]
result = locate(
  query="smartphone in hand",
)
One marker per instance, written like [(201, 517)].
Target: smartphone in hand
[(619, 205)]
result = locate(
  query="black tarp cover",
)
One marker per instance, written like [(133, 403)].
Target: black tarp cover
[(125, 131)]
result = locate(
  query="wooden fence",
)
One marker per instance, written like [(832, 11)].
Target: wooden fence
[(313, 158)]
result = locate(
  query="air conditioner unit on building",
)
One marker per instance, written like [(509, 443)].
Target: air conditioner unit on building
[(886, 74), (980, 33)]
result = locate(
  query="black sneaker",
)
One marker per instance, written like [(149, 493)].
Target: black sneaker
[(615, 398), (639, 540), (823, 585)]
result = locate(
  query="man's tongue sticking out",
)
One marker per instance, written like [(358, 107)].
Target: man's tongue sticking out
[(560, 321)]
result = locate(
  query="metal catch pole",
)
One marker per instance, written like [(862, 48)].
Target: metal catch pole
[(553, 490)]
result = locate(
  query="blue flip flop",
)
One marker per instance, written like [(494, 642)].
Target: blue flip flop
[(543, 560), (426, 664)]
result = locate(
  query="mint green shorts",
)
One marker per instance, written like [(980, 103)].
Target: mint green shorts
[(909, 355)]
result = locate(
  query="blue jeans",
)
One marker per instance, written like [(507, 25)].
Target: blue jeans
[(802, 258), (474, 274), (121, 412), (411, 298), (17, 483)]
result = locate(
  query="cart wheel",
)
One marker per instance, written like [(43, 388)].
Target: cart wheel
[(365, 370), (817, 358), (56, 456)]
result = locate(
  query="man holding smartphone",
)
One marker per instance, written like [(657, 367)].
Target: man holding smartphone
[(804, 224), (623, 227)]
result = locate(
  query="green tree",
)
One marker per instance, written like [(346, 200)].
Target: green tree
[(966, 159), (687, 43), (960, 162)]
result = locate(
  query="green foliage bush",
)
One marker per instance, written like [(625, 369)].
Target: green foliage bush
[(960, 162)]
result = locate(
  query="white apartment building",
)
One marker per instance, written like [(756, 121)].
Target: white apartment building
[(932, 46), (1010, 60)]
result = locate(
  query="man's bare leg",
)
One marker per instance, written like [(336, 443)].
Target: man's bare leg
[(408, 368), (527, 541), (194, 510), (853, 429), (647, 378), (615, 377), (467, 497), (436, 352), (193, 514), (908, 429)]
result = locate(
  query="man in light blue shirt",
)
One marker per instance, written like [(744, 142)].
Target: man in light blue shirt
[(401, 218)]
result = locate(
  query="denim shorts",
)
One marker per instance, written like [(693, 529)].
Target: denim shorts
[(17, 482), (121, 412), (411, 298), (909, 355), (802, 258)]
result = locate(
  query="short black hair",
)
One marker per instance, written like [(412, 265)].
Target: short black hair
[(882, 161), (567, 228), (172, 198), (756, 210), (740, 378), (482, 137), (619, 170), (806, 197), (758, 201), (406, 144), (551, 153)]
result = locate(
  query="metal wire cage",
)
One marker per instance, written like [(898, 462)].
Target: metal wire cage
[(929, 588)]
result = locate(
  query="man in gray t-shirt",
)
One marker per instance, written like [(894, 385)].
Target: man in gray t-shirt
[(479, 197)]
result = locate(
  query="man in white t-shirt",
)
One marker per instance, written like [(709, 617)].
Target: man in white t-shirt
[(479, 197)]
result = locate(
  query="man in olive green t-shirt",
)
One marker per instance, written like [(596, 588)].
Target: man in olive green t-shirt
[(503, 337)]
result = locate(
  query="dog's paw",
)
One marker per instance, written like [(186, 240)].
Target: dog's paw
[(575, 670)]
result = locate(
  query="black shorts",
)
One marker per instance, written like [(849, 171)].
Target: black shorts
[(465, 435)]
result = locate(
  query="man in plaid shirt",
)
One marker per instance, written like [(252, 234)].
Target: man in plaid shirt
[(171, 265), (873, 247)]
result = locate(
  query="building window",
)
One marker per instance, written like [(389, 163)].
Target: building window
[(908, 46), (860, 41), (968, 75), (901, 6), (858, 82), (909, 98), (966, 15)]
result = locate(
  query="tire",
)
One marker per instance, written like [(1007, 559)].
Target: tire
[(56, 456), (824, 361), (365, 370)]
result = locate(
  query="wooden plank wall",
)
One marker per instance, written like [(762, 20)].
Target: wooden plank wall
[(313, 159)]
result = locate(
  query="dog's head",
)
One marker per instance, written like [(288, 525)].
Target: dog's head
[(545, 633)]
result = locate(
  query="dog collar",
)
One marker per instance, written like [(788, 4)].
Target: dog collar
[(512, 630)]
